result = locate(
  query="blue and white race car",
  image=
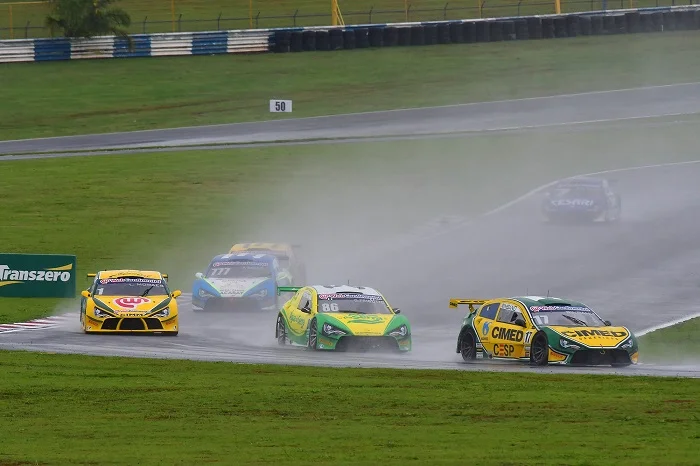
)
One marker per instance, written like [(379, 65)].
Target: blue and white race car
[(586, 198), (239, 281)]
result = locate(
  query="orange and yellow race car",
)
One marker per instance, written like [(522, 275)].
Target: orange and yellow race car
[(542, 330), (129, 301)]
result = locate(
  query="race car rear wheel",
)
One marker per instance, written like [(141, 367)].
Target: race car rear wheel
[(313, 335), (539, 351), (281, 331), (467, 345)]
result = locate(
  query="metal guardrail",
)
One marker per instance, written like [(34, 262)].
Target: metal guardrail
[(143, 45), (265, 40)]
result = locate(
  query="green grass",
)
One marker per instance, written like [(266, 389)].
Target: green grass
[(675, 344), (42, 99), (174, 211), (200, 15), (60, 409)]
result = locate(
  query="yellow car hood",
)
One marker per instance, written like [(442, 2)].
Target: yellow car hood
[(594, 336), (364, 324), (131, 306)]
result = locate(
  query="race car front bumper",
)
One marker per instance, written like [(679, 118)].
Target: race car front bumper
[(131, 325)]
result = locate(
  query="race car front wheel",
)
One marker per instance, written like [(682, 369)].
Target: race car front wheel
[(539, 351), (281, 331), (313, 335), (467, 346)]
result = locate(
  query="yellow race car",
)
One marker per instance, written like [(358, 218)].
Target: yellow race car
[(129, 301), (542, 330)]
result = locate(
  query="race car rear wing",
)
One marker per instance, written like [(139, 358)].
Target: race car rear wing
[(93, 275), (288, 289), (455, 302)]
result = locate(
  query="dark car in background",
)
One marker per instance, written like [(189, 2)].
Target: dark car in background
[(587, 199)]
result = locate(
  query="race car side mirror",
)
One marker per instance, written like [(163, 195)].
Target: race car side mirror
[(199, 275), (176, 293), (397, 310), (608, 323), (85, 294)]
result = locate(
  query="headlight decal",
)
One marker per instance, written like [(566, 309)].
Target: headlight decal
[(162, 313), (627, 344), (101, 313), (332, 330), (400, 331), (564, 343)]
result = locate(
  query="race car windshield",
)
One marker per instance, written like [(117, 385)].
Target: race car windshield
[(353, 304), (567, 316), (240, 269), (131, 287), (576, 191)]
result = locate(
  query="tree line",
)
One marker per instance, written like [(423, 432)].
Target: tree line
[(88, 18)]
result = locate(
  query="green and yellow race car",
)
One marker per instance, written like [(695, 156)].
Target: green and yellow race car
[(341, 318), (542, 330)]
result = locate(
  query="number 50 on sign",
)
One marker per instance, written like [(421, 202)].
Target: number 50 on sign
[(277, 106)]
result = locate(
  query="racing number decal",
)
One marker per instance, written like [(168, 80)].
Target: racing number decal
[(330, 307), (528, 337)]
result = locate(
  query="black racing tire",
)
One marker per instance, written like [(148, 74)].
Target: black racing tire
[(539, 351), (313, 336), (467, 345), (281, 331)]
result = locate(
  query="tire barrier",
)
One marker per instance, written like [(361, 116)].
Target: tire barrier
[(326, 38), (548, 31), (362, 38), (534, 27), (521, 29), (418, 35), (584, 24), (404, 36), (296, 42), (322, 41), (391, 37), (457, 33), (469, 31), (376, 37), (349, 39), (482, 32), (443, 31), (336, 39), (496, 31)]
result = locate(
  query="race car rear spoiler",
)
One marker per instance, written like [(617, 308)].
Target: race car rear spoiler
[(92, 275), (455, 302), (288, 289)]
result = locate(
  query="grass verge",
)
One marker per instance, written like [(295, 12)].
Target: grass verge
[(136, 94), (678, 343), (62, 409), (202, 15), (173, 211)]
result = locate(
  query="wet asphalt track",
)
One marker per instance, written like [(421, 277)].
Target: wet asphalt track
[(639, 273)]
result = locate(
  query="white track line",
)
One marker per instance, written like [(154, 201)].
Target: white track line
[(407, 109), (667, 324)]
